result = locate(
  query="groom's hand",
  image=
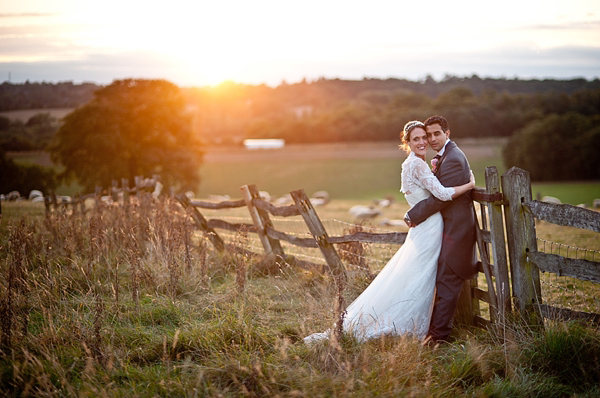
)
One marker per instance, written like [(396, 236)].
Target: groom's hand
[(408, 222)]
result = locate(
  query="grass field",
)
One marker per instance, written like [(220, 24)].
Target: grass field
[(112, 304), (351, 171), (24, 114)]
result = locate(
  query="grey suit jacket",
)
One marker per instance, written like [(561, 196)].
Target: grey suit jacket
[(458, 242)]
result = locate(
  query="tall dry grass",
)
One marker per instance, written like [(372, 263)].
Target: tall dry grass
[(132, 302)]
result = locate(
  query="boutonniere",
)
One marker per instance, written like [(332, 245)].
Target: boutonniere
[(434, 163)]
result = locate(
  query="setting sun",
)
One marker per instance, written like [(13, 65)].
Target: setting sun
[(268, 42)]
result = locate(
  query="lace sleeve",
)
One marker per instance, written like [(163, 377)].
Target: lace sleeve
[(431, 183)]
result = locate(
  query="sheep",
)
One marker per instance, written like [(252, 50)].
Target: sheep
[(551, 199), (157, 190), (321, 195), (392, 223), (12, 196), (35, 194), (361, 212), (219, 198), (64, 199), (384, 203), (284, 200), (596, 203), (264, 195), (38, 199), (318, 201)]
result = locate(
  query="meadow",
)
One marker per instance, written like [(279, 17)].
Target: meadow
[(347, 171), (134, 303)]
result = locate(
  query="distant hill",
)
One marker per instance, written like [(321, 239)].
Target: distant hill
[(45, 95), (69, 95)]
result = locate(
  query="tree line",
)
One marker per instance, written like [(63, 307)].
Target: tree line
[(45, 95), (331, 110)]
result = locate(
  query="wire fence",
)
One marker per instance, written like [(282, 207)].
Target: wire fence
[(354, 256), (565, 291), (560, 291)]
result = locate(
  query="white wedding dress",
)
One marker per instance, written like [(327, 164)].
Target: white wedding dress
[(400, 299)]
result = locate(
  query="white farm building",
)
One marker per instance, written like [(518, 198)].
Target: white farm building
[(273, 143)]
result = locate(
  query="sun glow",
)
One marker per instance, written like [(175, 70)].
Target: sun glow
[(205, 43)]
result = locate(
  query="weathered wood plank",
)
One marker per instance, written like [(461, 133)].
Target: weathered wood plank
[(261, 220), (498, 243), (566, 314), (480, 195), (227, 204), (368, 237), (481, 295), (281, 211), (566, 215), (302, 242), (320, 234), (520, 232), (222, 224), (576, 268), (202, 223), (484, 255), (486, 236)]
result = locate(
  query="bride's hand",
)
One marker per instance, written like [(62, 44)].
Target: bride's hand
[(472, 180)]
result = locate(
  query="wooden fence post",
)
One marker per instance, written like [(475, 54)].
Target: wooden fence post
[(138, 186), (319, 233), (82, 203), (98, 196), (261, 221), (125, 188), (520, 231), (75, 202), (114, 191), (54, 200), (47, 203), (202, 223), (492, 186)]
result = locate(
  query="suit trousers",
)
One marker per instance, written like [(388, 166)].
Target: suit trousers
[(448, 287)]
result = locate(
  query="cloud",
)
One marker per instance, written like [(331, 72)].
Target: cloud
[(573, 25), (26, 15), (524, 62)]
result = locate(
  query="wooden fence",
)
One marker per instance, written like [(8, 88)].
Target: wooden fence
[(115, 194), (505, 224), (492, 252), (525, 259), (271, 238)]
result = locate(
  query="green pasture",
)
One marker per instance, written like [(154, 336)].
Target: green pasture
[(364, 176)]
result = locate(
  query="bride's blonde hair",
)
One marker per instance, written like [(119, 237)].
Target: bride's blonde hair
[(405, 133)]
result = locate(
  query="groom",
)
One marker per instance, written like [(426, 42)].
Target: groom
[(457, 261)]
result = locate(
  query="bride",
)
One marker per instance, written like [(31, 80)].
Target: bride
[(400, 299)]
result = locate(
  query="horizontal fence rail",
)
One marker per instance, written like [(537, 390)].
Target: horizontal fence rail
[(565, 215)]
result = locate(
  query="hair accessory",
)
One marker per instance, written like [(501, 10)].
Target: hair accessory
[(411, 125)]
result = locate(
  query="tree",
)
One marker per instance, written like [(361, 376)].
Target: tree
[(24, 178), (557, 148), (131, 127)]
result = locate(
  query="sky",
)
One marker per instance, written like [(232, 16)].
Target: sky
[(201, 43)]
